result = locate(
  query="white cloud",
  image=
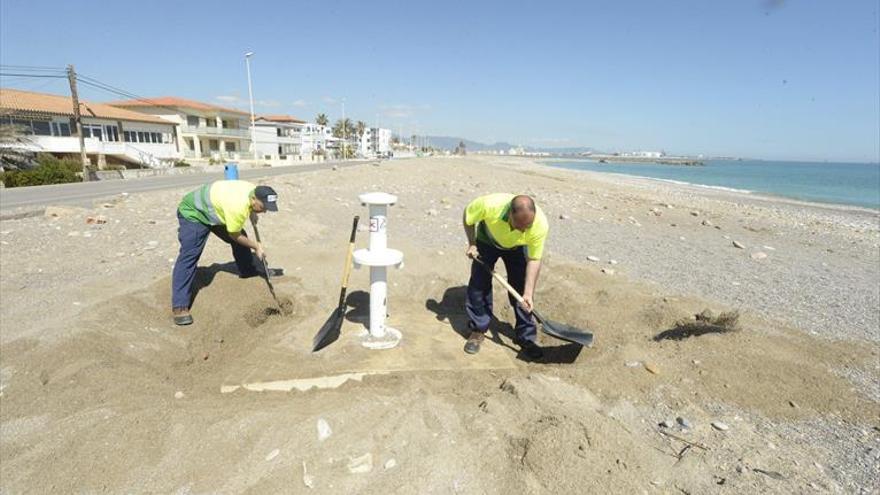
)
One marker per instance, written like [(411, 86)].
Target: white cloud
[(229, 99), (300, 103)]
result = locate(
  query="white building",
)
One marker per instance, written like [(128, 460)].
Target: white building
[(375, 142), (315, 139), (112, 135), (279, 137), (203, 130)]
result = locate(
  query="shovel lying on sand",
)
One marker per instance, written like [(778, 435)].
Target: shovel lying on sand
[(329, 332), (266, 270), (554, 329)]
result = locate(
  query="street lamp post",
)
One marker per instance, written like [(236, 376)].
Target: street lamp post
[(247, 61)]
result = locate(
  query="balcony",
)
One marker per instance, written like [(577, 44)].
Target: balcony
[(215, 131), (220, 155)]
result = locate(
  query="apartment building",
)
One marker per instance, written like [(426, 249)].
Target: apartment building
[(112, 135), (203, 130), (375, 142)]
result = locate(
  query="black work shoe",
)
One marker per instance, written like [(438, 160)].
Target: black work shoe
[(473, 342), (530, 349), (182, 316)]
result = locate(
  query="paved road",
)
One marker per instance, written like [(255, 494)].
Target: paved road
[(13, 202)]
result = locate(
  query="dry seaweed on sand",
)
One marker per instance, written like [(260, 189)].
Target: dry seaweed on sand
[(704, 323)]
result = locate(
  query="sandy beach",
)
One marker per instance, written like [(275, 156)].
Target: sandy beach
[(101, 393)]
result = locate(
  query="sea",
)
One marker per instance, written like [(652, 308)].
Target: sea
[(853, 184)]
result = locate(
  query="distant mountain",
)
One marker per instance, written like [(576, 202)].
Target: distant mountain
[(450, 143)]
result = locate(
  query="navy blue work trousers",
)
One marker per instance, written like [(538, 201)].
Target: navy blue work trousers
[(192, 237), (479, 291)]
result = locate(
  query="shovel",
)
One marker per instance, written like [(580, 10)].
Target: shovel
[(329, 332), (559, 330), (266, 270)]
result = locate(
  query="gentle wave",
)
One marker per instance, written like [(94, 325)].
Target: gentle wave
[(719, 188)]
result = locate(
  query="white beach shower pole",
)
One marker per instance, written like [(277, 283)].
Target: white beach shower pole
[(378, 257)]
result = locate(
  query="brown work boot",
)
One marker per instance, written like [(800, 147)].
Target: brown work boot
[(182, 316), (472, 346)]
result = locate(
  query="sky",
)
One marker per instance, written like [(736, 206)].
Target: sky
[(771, 79)]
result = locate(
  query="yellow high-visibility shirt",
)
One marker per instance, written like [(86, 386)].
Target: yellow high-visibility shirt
[(223, 202), (492, 211)]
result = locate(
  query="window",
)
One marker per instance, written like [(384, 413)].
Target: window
[(214, 145), (156, 137), (230, 146), (126, 136), (93, 131), (42, 128), (60, 129), (141, 137), (112, 132), (23, 125), (192, 121)]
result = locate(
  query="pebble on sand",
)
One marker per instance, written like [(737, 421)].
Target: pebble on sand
[(362, 464), (652, 368), (390, 464), (718, 425), (592, 258), (608, 271), (324, 430), (179, 395), (738, 245), (758, 255), (273, 454)]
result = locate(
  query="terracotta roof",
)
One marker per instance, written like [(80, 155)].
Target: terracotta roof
[(173, 101), (45, 104), (281, 118)]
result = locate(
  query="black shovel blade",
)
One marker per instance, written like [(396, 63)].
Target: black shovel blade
[(329, 332), (564, 332)]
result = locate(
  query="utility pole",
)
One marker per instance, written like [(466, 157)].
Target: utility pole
[(71, 78), (344, 137)]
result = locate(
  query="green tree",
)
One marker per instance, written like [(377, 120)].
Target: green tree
[(13, 155), (322, 119), (350, 129), (50, 170), (361, 127)]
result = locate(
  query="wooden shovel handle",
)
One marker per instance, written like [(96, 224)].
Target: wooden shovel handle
[(499, 278), (347, 272)]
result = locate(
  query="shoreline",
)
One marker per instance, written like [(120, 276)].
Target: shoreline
[(750, 194)]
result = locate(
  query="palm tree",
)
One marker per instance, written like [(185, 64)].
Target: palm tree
[(361, 127), (350, 129), (322, 119)]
